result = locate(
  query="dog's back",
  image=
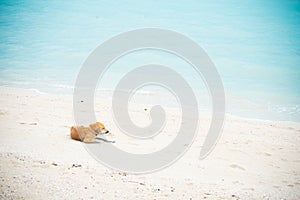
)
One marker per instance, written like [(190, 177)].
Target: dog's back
[(74, 133)]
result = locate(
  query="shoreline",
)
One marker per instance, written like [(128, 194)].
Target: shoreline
[(205, 111)]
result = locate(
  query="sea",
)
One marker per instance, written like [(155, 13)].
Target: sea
[(254, 44)]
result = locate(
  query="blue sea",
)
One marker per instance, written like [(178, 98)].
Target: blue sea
[(254, 44)]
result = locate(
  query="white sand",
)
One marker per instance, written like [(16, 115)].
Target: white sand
[(253, 159)]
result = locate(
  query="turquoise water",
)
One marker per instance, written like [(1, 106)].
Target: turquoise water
[(254, 44)]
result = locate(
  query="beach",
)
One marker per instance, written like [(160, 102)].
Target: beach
[(241, 56), (254, 159)]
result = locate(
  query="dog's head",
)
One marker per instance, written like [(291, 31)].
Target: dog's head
[(99, 128)]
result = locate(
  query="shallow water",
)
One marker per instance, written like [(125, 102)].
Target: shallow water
[(255, 46)]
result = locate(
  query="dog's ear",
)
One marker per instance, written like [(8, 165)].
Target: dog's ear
[(95, 127), (100, 125)]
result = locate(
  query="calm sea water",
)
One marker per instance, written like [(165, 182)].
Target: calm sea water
[(254, 44)]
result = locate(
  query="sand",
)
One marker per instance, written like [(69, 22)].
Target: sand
[(253, 159)]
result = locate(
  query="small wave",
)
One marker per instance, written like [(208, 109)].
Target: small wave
[(292, 109), (6, 82)]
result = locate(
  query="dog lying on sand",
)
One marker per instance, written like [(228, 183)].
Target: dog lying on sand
[(87, 134)]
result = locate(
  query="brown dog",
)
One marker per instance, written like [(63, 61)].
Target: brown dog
[(88, 134)]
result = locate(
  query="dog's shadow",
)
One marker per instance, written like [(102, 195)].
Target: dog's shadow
[(105, 140)]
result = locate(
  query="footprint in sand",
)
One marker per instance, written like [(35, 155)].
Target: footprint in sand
[(267, 154), (3, 112), (251, 189), (237, 167), (33, 123)]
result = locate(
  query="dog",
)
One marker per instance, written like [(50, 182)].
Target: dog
[(87, 134)]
